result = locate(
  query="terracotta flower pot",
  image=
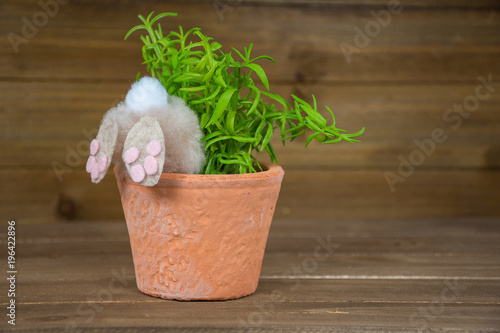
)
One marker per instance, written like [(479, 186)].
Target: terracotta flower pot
[(200, 237)]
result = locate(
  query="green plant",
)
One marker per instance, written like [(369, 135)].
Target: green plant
[(233, 115)]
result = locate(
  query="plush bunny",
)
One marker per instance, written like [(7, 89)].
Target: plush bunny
[(149, 133)]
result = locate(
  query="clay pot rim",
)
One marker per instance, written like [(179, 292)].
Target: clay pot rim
[(270, 171)]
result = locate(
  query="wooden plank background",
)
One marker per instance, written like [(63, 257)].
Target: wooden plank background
[(75, 66)]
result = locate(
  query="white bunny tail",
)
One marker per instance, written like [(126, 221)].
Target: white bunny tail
[(145, 94)]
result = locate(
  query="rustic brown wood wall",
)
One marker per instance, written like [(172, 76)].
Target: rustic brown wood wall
[(60, 75)]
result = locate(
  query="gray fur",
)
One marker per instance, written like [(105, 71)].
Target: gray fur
[(183, 148)]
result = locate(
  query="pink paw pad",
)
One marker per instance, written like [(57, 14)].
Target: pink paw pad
[(154, 148), (137, 173), (102, 163), (150, 165), (93, 167), (94, 147), (94, 173), (144, 151), (91, 162), (131, 155), (96, 166)]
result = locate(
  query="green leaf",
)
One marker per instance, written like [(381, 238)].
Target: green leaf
[(260, 72), (201, 65), (205, 117), (138, 27), (263, 57), (209, 74), (239, 53), (219, 78), (217, 139), (267, 137), (233, 112), (277, 98), (189, 77), (230, 121), (215, 46), (272, 154), (312, 114), (331, 114), (248, 51), (221, 105), (159, 16), (211, 136), (208, 98), (193, 89), (174, 60), (256, 101), (311, 137)]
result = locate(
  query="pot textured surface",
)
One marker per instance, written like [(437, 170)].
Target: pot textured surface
[(200, 237)]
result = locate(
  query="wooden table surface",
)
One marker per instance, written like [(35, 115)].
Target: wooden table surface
[(317, 276)]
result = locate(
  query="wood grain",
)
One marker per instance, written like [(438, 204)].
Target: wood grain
[(383, 276), (33, 196), (54, 91), (56, 121), (437, 45)]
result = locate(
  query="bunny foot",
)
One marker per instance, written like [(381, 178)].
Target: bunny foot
[(101, 150), (144, 152)]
